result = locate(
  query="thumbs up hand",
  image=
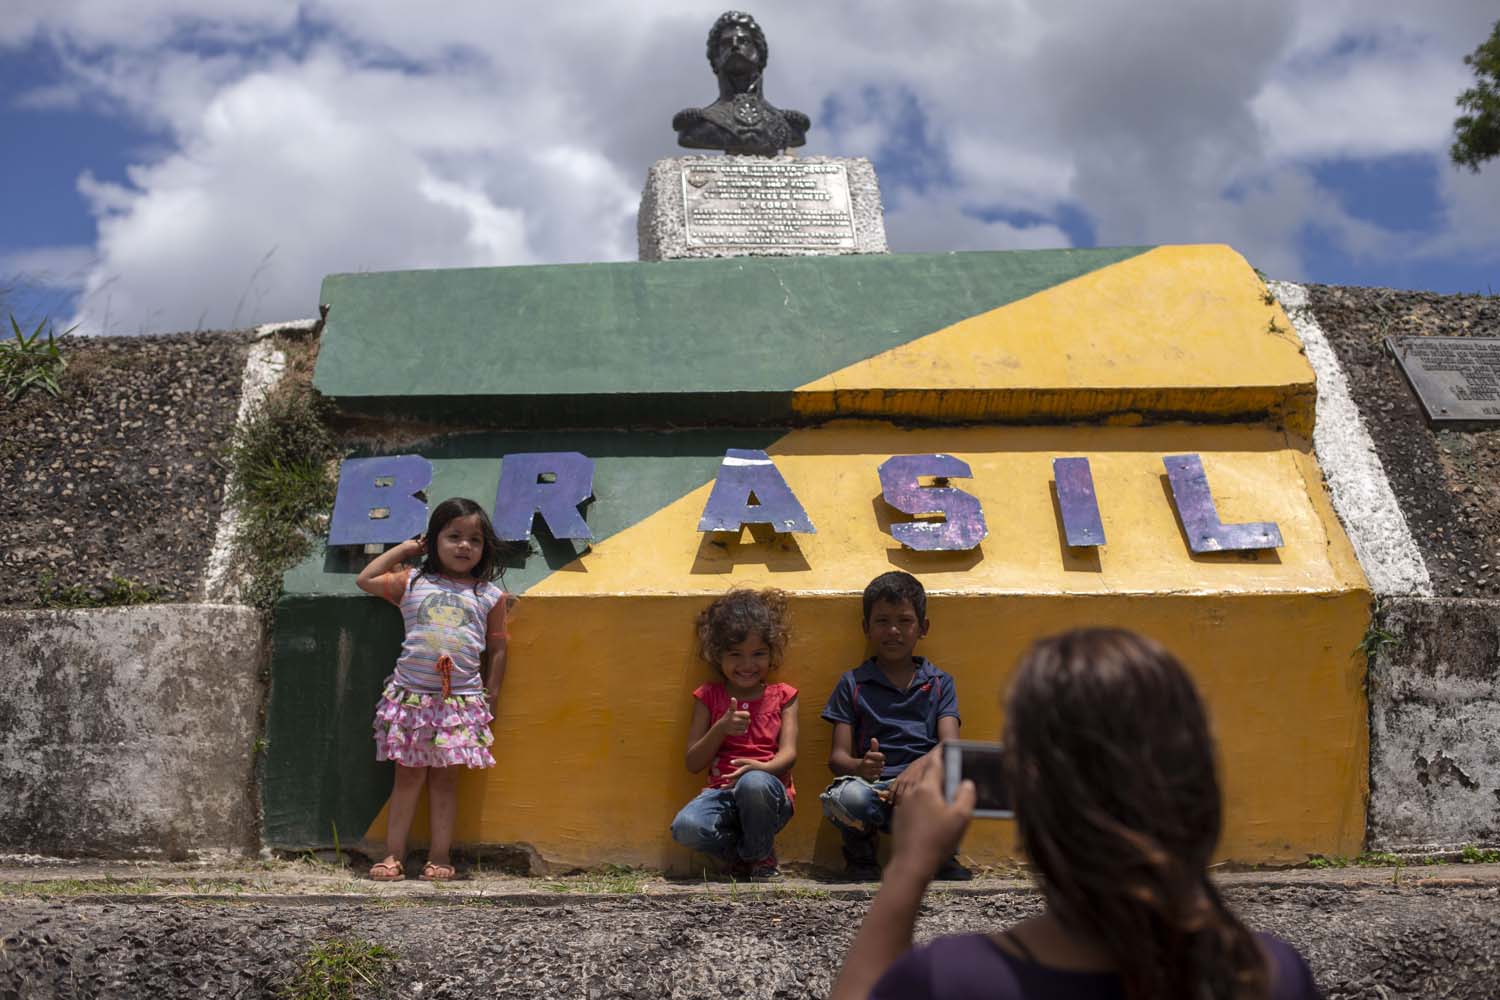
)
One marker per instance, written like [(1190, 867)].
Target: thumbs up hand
[(736, 720), (871, 764)]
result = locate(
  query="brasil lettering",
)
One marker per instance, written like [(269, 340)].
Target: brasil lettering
[(379, 501)]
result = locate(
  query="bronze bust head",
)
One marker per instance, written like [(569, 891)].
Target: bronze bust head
[(741, 120)]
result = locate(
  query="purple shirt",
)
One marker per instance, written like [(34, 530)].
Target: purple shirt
[(972, 966)]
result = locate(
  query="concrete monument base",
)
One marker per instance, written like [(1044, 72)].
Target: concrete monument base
[(781, 206)]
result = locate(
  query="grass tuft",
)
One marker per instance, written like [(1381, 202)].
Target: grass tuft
[(610, 880), (116, 592), (336, 968), (1467, 855), (1380, 859), (798, 892), (1327, 861), (28, 363), (68, 887)]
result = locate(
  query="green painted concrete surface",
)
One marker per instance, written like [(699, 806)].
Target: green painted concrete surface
[(630, 343), (329, 656)]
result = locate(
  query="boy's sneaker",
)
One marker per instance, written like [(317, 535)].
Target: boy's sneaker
[(860, 864), (952, 871), (862, 871), (764, 870)]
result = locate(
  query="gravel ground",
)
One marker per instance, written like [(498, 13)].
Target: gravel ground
[(1446, 481), (122, 476), (1364, 937)]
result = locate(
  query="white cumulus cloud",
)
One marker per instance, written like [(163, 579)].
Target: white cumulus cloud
[(300, 138)]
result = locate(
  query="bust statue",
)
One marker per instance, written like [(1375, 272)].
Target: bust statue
[(740, 121)]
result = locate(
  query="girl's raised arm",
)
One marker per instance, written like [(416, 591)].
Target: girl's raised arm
[(369, 577)]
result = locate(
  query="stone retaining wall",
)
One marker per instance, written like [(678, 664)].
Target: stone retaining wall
[(121, 480), (1435, 724), (131, 731)]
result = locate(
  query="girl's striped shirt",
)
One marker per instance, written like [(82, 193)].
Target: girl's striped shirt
[(445, 619)]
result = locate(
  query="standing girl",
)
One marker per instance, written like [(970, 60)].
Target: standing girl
[(744, 733), (435, 712)]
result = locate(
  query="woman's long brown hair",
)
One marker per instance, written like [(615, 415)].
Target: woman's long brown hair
[(1117, 800)]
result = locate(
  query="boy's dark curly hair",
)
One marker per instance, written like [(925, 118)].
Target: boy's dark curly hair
[(729, 619)]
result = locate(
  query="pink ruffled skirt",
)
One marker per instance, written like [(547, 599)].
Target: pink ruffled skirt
[(418, 729)]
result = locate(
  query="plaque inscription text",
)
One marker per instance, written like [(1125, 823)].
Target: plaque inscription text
[(1456, 378), (783, 204)]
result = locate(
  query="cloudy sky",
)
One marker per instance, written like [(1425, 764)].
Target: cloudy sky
[(165, 170)]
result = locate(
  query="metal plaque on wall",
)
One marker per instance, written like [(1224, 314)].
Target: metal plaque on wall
[(1455, 378), (777, 203)]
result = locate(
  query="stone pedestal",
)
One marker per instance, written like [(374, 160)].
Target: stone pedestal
[(783, 206)]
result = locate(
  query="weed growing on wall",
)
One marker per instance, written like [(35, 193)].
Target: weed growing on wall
[(28, 362), (284, 463), (1376, 639)]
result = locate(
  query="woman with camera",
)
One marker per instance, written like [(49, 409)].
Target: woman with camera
[(1113, 782)]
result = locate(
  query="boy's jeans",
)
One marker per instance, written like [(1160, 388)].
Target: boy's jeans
[(741, 821), (855, 806)]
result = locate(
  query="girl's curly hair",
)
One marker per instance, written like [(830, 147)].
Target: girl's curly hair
[(729, 619)]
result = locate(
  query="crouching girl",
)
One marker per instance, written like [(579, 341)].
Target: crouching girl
[(744, 733)]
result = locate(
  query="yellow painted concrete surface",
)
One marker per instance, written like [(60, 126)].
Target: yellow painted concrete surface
[(1182, 330), (593, 718)]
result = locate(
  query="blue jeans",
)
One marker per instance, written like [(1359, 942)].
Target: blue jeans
[(741, 821), (854, 806)]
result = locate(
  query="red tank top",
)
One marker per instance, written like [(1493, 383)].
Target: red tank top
[(760, 741)]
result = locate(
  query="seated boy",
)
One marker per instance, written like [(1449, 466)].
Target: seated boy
[(888, 715)]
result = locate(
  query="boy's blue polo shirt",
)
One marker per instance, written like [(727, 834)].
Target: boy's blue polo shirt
[(904, 722)]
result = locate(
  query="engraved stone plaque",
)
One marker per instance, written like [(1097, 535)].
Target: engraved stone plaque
[(773, 203), (1455, 378), (757, 206)]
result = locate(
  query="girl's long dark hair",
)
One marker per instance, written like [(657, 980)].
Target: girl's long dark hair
[(488, 566), (1117, 802)]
